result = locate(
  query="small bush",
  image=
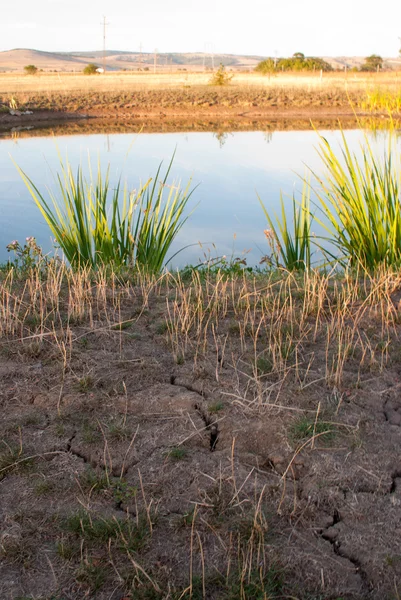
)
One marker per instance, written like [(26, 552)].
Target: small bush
[(221, 77), (30, 69), (91, 69)]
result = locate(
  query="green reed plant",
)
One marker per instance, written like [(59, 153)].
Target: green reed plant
[(159, 221), (290, 246), (94, 224), (360, 201)]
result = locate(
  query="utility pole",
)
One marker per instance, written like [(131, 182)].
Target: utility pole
[(155, 61), (209, 50), (140, 55), (104, 43)]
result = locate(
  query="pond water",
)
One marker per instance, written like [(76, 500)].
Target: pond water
[(229, 170)]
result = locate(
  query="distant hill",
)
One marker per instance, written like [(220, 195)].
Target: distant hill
[(116, 60), (16, 60), (339, 62)]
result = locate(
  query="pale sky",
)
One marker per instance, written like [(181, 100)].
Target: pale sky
[(261, 27)]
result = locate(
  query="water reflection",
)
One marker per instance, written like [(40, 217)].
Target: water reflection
[(228, 219), (165, 125)]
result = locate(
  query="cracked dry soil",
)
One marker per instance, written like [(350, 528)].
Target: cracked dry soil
[(126, 433)]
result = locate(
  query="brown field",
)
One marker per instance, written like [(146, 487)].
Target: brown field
[(11, 83)]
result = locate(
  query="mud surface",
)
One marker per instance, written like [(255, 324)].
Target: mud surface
[(114, 423)]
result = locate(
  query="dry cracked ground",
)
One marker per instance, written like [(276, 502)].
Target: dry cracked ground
[(159, 459)]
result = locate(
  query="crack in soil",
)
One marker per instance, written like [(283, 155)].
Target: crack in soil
[(70, 440), (330, 534), (211, 426), (115, 472), (204, 414), (188, 386), (118, 504), (392, 412), (396, 475), (71, 450)]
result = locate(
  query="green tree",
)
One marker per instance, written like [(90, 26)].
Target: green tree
[(91, 69), (372, 63), (30, 69), (298, 62), (266, 66)]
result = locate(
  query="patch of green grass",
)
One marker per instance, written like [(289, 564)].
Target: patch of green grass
[(264, 365), (118, 431), (86, 383), (43, 487), (255, 585), (305, 427), (59, 430), (161, 328), (91, 575), (186, 519), (67, 549), (93, 480), (287, 348), (177, 453), (12, 458), (32, 321), (122, 491), (179, 359), (84, 342), (128, 534), (91, 529), (252, 585), (18, 550), (234, 327), (90, 432), (98, 481), (215, 407), (31, 419)]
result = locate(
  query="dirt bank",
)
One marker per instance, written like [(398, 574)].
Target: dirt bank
[(191, 104)]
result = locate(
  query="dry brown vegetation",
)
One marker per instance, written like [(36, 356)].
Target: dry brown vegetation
[(120, 81), (200, 435), (132, 94)]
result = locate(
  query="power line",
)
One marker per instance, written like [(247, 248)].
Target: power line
[(104, 43)]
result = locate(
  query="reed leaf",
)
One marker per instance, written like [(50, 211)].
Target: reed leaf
[(291, 248)]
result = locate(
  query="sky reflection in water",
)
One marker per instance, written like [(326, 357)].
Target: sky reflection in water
[(230, 170)]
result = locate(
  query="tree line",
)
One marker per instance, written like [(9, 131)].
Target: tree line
[(299, 62)]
